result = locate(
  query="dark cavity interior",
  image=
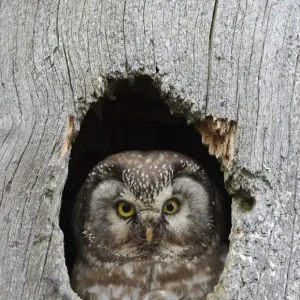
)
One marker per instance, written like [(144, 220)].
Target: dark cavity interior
[(135, 117)]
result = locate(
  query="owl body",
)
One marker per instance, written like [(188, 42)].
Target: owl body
[(148, 225)]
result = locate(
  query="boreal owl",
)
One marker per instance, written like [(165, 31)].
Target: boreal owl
[(148, 225)]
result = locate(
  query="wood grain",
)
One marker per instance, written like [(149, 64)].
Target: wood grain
[(236, 60)]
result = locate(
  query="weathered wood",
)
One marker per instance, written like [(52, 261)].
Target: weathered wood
[(230, 59)]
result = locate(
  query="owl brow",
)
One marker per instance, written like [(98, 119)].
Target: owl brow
[(92, 185), (197, 178)]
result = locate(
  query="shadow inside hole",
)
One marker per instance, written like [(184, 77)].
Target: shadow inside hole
[(138, 119), (246, 204)]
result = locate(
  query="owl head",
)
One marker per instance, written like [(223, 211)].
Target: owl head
[(141, 205)]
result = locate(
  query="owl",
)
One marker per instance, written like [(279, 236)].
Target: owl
[(148, 225)]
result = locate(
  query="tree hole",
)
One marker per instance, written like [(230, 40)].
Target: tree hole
[(135, 118)]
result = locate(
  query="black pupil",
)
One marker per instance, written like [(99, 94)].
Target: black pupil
[(126, 208), (170, 206)]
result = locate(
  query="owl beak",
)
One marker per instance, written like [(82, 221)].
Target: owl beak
[(149, 234)]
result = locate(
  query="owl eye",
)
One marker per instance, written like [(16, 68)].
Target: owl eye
[(171, 206), (125, 209)]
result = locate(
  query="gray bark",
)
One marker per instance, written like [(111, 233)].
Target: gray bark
[(236, 60)]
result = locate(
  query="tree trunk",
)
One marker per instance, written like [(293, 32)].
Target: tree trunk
[(234, 60)]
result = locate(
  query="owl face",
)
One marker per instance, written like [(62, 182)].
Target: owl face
[(148, 205)]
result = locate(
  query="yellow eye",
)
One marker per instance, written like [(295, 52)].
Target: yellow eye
[(171, 207), (125, 209)]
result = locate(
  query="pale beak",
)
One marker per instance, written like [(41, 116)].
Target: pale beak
[(149, 234)]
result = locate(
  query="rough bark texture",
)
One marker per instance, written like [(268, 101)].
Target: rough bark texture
[(236, 60)]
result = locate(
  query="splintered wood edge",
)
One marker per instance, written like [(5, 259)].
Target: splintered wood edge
[(70, 129), (220, 136)]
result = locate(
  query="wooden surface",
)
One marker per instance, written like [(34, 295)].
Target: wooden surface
[(231, 59)]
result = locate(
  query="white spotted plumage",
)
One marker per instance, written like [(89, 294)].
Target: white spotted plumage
[(115, 259)]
